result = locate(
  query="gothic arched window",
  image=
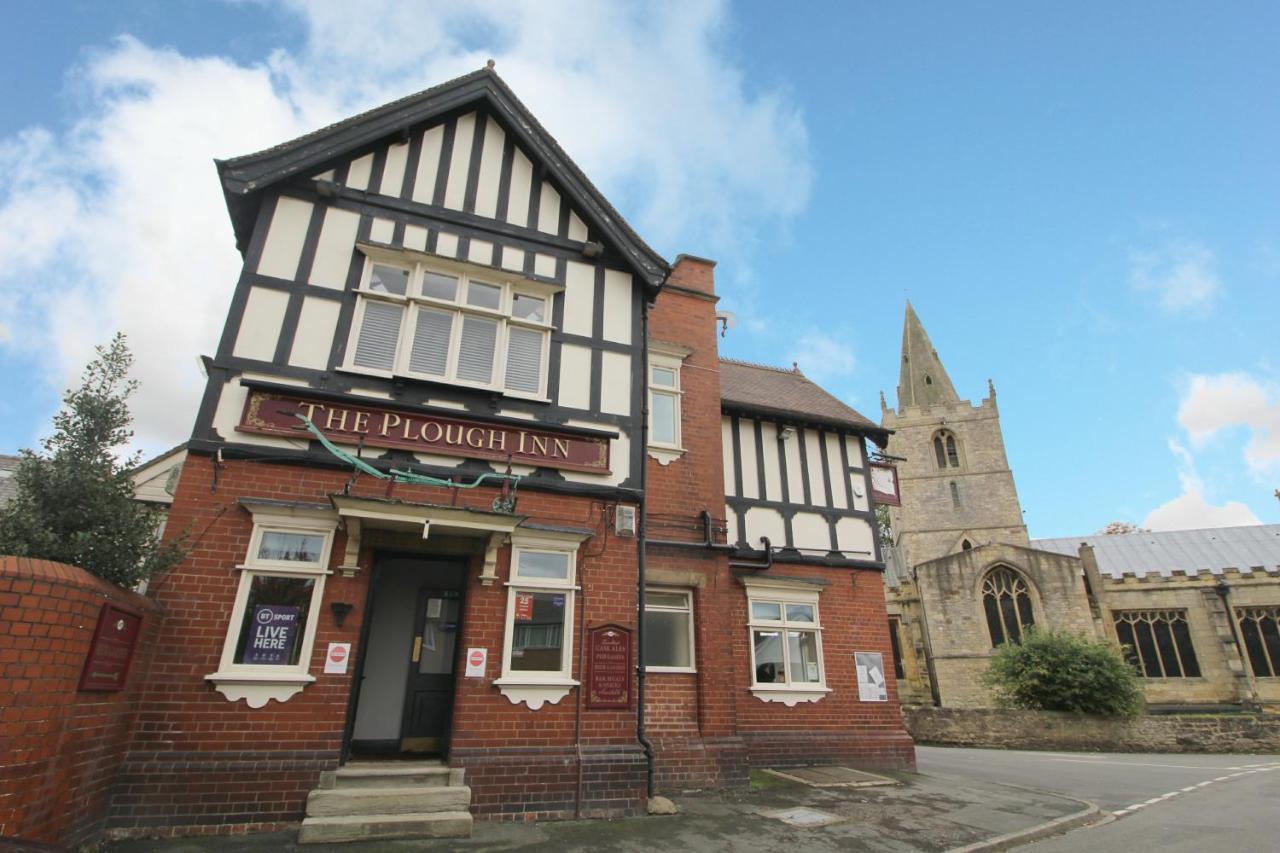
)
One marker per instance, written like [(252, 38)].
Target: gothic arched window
[(1007, 603), (946, 450)]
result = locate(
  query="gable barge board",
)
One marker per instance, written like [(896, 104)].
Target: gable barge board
[(243, 177)]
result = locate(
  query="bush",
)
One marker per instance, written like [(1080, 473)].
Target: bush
[(1060, 671)]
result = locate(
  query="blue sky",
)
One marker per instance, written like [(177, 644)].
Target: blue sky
[(1081, 201)]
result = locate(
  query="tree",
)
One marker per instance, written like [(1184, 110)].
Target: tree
[(75, 499), (1060, 671), (884, 526), (1119, 528)]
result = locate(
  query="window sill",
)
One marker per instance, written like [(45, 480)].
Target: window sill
[(671, 670), (789, 696), (533, 693), (665, 455), (259, 688)]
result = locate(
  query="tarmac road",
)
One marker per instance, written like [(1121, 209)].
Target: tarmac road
[(1166, 802)]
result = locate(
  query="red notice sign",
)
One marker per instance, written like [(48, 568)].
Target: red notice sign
[(524, 607), (609, 667), (111, 651)]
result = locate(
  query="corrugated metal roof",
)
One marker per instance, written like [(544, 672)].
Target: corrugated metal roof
[(1246, 549), (8, 486)]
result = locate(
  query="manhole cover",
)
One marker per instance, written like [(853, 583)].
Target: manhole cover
[(826, 776), (802, 816)]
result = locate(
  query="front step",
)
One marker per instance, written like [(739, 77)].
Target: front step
[(373, 774), (374, 800), (405, 800), (326, 830)]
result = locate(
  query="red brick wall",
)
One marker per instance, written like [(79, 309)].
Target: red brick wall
[(60, 748), (200, 763)]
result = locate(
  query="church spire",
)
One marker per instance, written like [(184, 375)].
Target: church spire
[(923, 380)]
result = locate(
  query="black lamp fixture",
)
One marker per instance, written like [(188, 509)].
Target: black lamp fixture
[(340, 610)]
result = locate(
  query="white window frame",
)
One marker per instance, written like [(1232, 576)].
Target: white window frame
[(688, 597), (537, 688), (413, 301), (782, 593), (260, 683), (666, 357)]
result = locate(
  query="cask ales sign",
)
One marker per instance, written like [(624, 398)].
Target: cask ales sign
[(609, 667), (270, 413)]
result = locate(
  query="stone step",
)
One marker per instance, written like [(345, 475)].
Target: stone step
[(336, 828), (403, 799), (391, 775)]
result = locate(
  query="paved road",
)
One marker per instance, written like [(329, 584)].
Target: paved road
[(1169, 802)]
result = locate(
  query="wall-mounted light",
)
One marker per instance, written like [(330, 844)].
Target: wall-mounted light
[(340, 610), (787, 433)]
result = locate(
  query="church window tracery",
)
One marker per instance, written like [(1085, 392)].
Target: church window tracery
[(946, 450), (1006, 600)]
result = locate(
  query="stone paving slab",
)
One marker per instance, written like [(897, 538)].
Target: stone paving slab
[(925, 813)]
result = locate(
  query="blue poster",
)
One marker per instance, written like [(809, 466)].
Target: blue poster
[(272, 634)]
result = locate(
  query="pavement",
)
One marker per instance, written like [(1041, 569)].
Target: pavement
[(920, 814), (960, 800)]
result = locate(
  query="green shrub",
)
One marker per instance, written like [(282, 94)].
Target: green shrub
[(1060, 671)]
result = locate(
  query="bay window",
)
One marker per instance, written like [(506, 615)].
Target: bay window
[(450, 323)]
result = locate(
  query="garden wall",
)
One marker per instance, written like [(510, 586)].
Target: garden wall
[(1243, 733), (60, 746)]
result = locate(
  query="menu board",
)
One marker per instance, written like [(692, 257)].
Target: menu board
[(107, 665)]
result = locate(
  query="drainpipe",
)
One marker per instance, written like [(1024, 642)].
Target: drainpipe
[(641, 527)]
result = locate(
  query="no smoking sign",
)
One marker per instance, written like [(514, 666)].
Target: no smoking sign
[(336, 659), (476, 660)]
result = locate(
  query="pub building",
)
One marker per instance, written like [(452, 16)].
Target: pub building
[(480, 524)]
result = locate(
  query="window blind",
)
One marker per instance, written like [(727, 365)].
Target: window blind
[(430, 351), (378, 335), (475, 356), (524, 360)]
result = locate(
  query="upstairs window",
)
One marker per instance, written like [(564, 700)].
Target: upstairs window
[(448, 324), (665, 394), (1007, 603)]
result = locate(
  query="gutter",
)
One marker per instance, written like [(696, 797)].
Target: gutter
[(641, 526)]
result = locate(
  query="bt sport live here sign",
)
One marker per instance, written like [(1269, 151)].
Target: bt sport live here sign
[(272, 635)]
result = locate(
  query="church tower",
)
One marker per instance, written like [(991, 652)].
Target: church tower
[(956, 486)]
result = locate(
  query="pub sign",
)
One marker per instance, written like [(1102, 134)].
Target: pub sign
[(609, 668)]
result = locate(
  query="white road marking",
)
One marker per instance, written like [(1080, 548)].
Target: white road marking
[(1141, 764), (1258, 768)]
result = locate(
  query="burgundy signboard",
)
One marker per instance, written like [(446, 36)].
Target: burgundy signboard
[(270, 413), (609, 667), (111, 650), (884, 484)]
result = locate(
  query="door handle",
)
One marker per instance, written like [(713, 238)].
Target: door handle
[(417, 648)]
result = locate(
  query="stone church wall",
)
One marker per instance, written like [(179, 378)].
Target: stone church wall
[(951, 599)]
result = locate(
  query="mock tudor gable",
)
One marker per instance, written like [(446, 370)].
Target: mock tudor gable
[(422, 252)]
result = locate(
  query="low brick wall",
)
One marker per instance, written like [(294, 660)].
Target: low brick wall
[(60, 747), (1244, 733)]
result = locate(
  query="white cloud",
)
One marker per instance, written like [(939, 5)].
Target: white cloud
[(1217, 402), (1190, 510), (1180, 274), (118, 222), (822, 357)]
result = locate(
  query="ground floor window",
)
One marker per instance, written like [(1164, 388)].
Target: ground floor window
[(786, 642), (1260, 630), (266, 652), (537, 654), (1158, 642), (668, 630)]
